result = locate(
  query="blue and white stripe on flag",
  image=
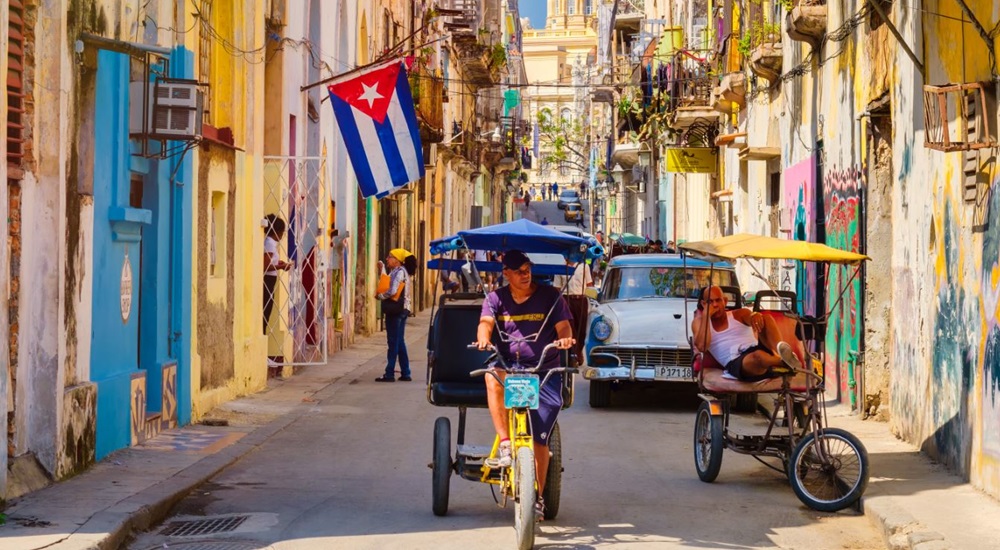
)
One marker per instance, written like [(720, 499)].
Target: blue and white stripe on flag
[(378, 123)]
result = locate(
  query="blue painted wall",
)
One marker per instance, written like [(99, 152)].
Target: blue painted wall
[(158, 330), (117, 232), (181, 66)]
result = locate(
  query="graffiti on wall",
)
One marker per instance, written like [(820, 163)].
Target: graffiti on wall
[(842, 190), (953, 354), (990, 282), (800, 205)]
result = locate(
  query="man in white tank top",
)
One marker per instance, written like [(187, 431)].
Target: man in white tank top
[(740, 340)]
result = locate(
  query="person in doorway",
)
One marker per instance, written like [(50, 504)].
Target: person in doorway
[(397, 303), (274, 231), (741, 340), (531, 316)]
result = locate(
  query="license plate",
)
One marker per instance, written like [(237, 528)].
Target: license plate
[(521, 390), (672, 373)]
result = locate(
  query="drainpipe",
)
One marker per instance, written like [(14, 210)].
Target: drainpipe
[(863, 249)]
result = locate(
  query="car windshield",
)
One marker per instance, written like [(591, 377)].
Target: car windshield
[(572, 206), (568, 195), (627, 283)]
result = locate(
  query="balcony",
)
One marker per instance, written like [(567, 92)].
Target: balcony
[(765, 60), (807, 23), (732, 89), (429, 95), (691, 89)]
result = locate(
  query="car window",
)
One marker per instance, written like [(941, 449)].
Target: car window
[(573, 206), (623, 283), (568, 195)]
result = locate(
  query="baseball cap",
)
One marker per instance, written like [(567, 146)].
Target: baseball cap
[(514, 259)]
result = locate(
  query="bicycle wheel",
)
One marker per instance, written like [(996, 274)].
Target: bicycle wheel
[(524, 499), (833, 479), (708, 443), (442, 465), (553, 479)]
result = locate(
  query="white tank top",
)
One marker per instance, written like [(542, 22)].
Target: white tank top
[(728, 344)]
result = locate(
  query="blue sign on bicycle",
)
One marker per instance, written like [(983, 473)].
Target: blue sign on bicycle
[(521, 390)]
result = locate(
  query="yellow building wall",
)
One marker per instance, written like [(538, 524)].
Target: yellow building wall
[(236, 84)]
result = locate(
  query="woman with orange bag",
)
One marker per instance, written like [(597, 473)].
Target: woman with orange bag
[(395, 291)]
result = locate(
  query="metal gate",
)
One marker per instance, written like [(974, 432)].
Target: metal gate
[(296, 192)]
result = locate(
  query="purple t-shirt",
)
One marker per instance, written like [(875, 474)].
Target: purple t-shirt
[(524, 320)]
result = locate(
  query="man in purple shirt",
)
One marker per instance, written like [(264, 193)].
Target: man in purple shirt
[(530, 317)]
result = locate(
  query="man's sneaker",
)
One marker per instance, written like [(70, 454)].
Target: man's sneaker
[(539, 509), (788, 356), (502, 460)]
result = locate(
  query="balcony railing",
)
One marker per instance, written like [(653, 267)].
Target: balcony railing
[(691, 79)]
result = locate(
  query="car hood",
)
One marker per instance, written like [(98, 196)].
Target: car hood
[(648, 321)]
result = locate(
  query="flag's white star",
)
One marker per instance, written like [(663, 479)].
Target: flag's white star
[(371, 94)]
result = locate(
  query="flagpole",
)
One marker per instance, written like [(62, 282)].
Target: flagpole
[(375, 63)]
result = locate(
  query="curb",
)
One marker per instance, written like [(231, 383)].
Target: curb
[(900, 530)]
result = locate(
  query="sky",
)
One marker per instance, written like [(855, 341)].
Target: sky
[(534, 9)]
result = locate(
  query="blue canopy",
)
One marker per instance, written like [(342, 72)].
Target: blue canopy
[(448, 264), (524, 235)]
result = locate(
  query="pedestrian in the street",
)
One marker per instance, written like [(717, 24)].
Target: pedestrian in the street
[(545, 192), (396, 295), (545, 220), (555, 191)]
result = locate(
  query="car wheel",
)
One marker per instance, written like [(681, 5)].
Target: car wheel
[(600, 394)]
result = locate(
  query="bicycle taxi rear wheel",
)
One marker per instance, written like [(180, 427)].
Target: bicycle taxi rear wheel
[(524, 499), (708, 443), (833, 479), (441, 467), (553, 479)]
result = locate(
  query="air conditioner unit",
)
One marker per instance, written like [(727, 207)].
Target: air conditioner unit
[(172, 109)]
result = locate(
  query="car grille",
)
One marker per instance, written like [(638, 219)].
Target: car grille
[(647, 356)]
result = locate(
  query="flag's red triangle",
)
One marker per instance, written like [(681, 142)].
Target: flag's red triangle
[(370, 92)]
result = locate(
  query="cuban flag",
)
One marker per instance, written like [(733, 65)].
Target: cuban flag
[(375, 113)]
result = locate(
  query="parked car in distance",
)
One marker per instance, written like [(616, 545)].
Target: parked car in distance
[(567, 196), (638, 328), (573, 212)]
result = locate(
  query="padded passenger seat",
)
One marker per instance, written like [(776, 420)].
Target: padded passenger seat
[(450, 361)]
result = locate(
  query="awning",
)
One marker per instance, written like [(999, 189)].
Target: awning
[(743, 245)]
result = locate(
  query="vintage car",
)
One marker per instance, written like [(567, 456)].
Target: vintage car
[(573, 212), (638, 327)]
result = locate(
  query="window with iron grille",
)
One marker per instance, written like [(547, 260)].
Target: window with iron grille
[(205, 56), (15, 83)]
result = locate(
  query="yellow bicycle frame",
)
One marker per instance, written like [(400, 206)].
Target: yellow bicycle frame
[(520, 436)]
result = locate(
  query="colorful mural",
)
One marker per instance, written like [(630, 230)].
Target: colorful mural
[(800, 205), (842, 204)]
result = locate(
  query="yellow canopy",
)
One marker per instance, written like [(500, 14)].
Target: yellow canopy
[(743, 245)]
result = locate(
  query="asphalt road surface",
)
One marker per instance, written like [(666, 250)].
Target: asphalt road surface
[(537, 210), (353, 473)]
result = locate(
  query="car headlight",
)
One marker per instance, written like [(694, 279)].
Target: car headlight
[(601, 329)]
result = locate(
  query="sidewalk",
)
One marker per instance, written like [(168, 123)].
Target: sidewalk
[(135, 488), (917, 504)]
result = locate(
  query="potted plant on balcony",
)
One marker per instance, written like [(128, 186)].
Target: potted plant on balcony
[(762, 46)]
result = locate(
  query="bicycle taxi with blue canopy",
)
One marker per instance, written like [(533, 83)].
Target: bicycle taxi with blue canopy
[(455, 370)]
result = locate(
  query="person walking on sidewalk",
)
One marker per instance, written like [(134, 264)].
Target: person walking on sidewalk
[(397, 303)]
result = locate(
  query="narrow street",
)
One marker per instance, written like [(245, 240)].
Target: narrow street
[(352, 472)]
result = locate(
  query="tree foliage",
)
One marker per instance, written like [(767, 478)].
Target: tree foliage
[(563, 141)]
